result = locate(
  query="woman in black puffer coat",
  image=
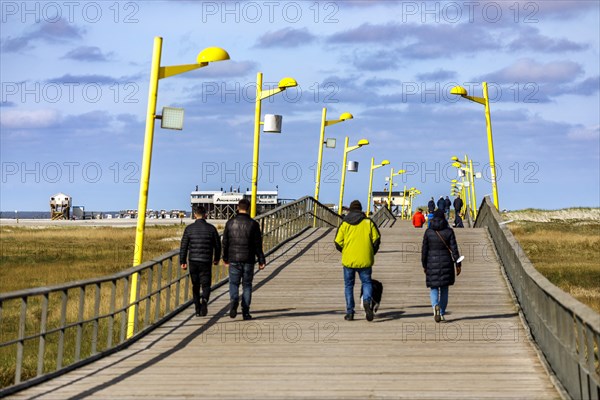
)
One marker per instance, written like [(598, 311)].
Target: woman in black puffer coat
[(438, 264)]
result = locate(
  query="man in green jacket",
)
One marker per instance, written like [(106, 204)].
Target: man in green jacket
[(358, 239)]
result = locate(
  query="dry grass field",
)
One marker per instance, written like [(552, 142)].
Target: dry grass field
[(567, 253), (32, 257)]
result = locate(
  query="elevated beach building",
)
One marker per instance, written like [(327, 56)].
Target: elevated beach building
[(222, 205)]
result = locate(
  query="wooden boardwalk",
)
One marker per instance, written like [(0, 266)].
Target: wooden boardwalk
[(299, 346)]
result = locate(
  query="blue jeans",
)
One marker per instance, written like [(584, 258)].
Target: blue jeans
[(439, 296), (241, 272), (365, 278)]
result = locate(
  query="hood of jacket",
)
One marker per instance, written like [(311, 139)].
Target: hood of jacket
[(438, 223), (354, 217)]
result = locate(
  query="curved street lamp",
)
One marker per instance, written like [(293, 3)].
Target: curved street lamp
[(485, 100), (467, 166), (324, 122), (361, 143), (373, 167), (261, 95), (206, 56), (391, 185)]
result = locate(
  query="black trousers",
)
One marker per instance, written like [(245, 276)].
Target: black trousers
[(201, 276)]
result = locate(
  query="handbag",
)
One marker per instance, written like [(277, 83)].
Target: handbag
[(450, 251)]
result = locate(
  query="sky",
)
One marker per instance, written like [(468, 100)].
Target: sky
[(74, 92)]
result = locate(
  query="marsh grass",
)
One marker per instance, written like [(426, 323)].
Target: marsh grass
[(31, 257), (567, 253)]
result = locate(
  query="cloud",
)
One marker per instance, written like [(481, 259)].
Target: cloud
[(376, 61), (286, 37), (415, 41), (530, 39), (368, 33), (437, 75), (587, 87), (529, 70), (34, 119), (88, 53), (581, 133), (93, 79), (224, 69), (50, 32)]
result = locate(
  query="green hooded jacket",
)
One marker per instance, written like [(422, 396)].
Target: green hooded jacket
[(358, 239)]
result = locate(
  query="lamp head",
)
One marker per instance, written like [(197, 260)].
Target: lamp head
[(456, 164), (453, 181), (385, 162), (345, 116), (212, 54), (402, 171), (287, 83), (459, 91), (363, 142), (454, 158)]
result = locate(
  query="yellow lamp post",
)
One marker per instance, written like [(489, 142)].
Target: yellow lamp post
[(373, 167), (467, 166), (361, 143), (211, 54), (391, 186), (261, 95), (324, 123), (413, 193), (461, 91)]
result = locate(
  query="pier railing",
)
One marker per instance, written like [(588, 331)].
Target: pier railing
[(47, 331), (566, 331)]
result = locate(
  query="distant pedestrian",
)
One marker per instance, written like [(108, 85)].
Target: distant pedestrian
[(358, 239), (242, 247), (418, 219), (429, 218), (458, 222), (447, 205), (438, 253), (202, 241), (441, 204), (458, 204), (431, 206)]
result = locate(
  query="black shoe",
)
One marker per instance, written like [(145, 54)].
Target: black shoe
[(247, 317), (203, 308), (233, 310), (436, 315), (368, 310), (349, 317)]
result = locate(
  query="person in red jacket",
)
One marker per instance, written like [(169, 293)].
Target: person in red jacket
[(418, 219)]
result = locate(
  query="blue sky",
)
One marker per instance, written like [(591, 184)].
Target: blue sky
[(75, 81)]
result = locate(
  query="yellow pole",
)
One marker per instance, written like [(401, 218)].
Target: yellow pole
[(319, 163), (474, 197), (370, 186), (138, 250), (320, 156), (488, 121), (259, 78), (343, 176), (410, 213), (404, 205), (390, 183)]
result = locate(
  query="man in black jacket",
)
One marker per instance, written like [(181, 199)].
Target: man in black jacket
[(242, 245), (458, 204), (202, 241), (431, 206)]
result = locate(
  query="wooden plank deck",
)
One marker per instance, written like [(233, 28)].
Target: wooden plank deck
[(299, 346)]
